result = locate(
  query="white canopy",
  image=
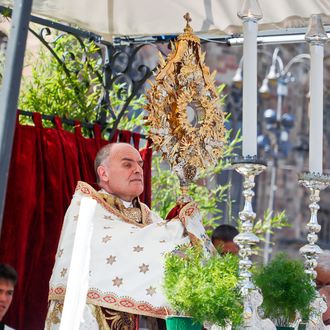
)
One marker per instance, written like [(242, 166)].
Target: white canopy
[(111, 18)]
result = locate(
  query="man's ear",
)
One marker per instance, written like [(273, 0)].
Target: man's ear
[(103, 175)]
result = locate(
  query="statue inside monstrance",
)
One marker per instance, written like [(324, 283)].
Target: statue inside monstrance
[(128, 240)]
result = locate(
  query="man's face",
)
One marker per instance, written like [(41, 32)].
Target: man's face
[(6, 296), (122, 172)]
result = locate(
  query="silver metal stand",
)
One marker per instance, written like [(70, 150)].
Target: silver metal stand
[(315, 184), (249, 167)]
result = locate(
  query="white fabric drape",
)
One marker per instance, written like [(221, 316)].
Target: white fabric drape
[(153, 17)]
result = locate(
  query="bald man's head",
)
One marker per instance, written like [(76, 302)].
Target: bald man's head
[(119, 170)]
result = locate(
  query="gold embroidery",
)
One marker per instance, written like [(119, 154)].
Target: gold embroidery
[(60, 252), (100, 318), (144, 268), (106, 239), (138, 248), (111, 260), (117, 281), (133, 213), (120, 320), (54, 314), (86, 190), (63, 272), (151, 291)]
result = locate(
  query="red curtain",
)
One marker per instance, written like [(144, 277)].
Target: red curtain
[(45, 167)]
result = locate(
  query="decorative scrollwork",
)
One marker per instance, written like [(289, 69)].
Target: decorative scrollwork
[(118, 65)]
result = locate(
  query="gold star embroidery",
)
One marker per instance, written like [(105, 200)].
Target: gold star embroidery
[(63, 272), (144, 268), (117, 281), (106, 239), (111, 260), (151, 291), (60, 252), (75, 218), (137, 248)]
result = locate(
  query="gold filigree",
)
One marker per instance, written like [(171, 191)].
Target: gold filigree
[(120, 320), (184, 84), (54, 314)]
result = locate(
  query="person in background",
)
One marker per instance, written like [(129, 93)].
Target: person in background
[(223, 239), (323, 281), (8, 279)]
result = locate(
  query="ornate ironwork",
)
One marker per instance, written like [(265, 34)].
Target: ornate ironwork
[(120, 65)]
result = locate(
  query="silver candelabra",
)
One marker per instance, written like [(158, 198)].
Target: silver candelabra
[(249, 167), (315, 183)]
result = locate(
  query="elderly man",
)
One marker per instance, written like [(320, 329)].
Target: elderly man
[(127, 246), (8, 278)]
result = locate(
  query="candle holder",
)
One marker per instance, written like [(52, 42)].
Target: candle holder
[(315, 183), (249, 167)]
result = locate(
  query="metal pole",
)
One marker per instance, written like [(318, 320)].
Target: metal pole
[(10, 89), (267, 247)]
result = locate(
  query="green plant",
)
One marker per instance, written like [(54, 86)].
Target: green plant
[(73, 89), (286, 289), (205, 289)]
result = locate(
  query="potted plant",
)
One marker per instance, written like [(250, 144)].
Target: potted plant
[(287, 290), (203, 288)]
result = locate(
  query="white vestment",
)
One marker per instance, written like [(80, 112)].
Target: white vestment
[(127, 258)]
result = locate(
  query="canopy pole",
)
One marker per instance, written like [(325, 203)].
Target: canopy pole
[(10, 90)]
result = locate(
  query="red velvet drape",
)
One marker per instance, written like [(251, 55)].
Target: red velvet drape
[(45, 167)]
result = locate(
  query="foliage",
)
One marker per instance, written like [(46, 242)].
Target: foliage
[(206, 192), (72, 89), (286, 289), (269, 222), (205, 289)]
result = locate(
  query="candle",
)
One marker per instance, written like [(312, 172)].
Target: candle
[(249, 120), (316, 109), (316, 37), (77, 285)]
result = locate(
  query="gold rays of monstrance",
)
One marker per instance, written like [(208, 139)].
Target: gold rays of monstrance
[(184, 110)]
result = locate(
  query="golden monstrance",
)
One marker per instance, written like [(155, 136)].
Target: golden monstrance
[(185, 116)]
